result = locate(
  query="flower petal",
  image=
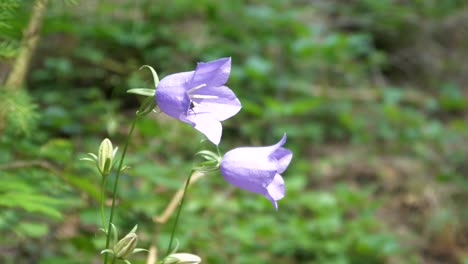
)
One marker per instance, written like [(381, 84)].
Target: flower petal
[(251, 158), (250, 179), (220, 101), (208, 125), (283, 156), (257, 169), (212, 73), (276, 190), (248, 168), (273, 148), (171, 95)]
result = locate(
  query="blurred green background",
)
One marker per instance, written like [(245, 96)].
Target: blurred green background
[(372, 94)]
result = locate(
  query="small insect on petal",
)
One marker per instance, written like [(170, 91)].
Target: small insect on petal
[(180, 95)]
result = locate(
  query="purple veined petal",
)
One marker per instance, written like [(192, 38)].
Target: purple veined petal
[(276, 190), (208, 125), (273, 148), (199, 97), (257, 169), (220, 101), (251, 158), (249, 179), (171, 95), (212, 73), (176, 79), (283, 156)]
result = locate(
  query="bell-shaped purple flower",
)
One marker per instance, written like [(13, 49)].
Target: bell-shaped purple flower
[(199, 97), (258, 169)]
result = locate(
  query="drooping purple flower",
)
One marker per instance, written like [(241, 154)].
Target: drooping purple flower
[(200, 97), (258, 169)]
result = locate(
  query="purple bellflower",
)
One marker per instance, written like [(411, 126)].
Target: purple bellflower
[(199, 97), (258, 169)]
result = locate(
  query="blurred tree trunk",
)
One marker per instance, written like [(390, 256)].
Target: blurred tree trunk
[(17, 76), (29, 42)]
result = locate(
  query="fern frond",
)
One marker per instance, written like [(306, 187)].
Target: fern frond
[(7, 10), (8, 46), (9, 5), (8, 49), (20, 111)]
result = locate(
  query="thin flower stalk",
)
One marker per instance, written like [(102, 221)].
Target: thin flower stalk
[(116, 183), (184, 194)]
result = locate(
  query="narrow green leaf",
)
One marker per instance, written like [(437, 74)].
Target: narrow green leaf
[(143, 91), (134, 229), (138, 250), (88, 159), (95, 157), (153, 72), (107, 251), (31, 203), (115, 234)]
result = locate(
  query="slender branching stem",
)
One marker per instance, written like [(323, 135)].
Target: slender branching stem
[(162, 218), (116, 183), (169, 247), (103, 198), (172, 205)]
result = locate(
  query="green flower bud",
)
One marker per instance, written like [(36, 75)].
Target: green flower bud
[(182, 258), (125, 246), (105, 156)]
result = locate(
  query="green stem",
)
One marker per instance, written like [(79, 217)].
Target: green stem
[(116, 183), (103, 198), (178, 213)]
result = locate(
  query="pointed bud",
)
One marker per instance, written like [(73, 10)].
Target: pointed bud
[(182, 258), (126, 245), (105, 156)]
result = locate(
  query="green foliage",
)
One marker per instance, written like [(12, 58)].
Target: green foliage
[(379, 165), (330, 231), (406, 28), (8, 12), (20, 112), (8, 49), (26, 201)]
